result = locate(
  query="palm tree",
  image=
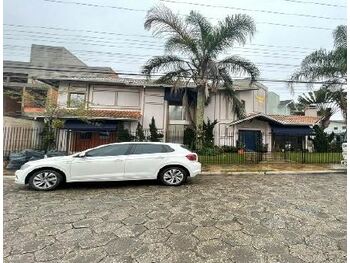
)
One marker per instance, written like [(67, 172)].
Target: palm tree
[(329, 67), (323, 100), (193, 46)]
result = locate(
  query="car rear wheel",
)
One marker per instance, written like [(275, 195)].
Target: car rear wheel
[(173, 176), (45, 180)]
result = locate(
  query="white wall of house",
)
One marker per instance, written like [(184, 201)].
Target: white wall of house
[(220, 109), (336, 127), (155, 106)]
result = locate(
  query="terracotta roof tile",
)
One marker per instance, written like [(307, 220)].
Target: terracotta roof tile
[(282, 119), (107, 114), (296, 119)]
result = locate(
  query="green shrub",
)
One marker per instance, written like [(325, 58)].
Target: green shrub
[(210, 151), (228, 149), (155, 135), (190, 138), (140, 136)]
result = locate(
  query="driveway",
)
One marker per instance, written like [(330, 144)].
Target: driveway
[(256, 218)]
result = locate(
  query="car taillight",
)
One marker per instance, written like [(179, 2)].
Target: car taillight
[(192, 157)]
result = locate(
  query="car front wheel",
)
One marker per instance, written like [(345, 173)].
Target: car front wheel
[(45, 180), (173, 176)]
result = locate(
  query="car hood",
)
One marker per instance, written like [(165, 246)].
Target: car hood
[(52, 159)]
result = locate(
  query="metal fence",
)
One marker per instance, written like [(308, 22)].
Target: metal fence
[(19, 138)]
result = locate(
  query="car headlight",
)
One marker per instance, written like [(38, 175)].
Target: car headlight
[(25, 166)]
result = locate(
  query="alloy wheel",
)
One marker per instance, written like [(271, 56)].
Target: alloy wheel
[(173, 176), (45, 180)]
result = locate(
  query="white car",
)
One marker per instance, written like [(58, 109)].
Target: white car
[(169, 163)]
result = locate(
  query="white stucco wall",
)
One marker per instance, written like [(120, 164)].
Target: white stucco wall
[(220, 109), (154, 106), (336, 127)]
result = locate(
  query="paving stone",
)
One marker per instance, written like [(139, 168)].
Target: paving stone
[(97, 240), (182, 242), (207, 233), (307, 254), (135, 220), (245, 254), (181, 257), (157, 223), (149, 253), (130, 231), (213, 249), (155, 236), (27, 258), (125, 246), (55, 251), (87, 255), (181, 228)]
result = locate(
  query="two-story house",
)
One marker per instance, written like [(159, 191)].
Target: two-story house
[(113, 103)]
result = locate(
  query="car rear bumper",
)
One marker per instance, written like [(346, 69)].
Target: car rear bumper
[(196, 169)]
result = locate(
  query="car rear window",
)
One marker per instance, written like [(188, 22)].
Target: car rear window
[(151, 148)]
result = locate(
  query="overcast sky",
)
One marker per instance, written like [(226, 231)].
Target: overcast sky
[(277, 50)]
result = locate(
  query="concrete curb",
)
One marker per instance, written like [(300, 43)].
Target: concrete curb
[(276, 172)]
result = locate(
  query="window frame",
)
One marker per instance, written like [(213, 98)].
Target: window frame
[(183, 113), (165, 149), (126, 153), (69, 101)]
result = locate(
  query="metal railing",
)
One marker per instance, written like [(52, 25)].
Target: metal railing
[(225, 152)]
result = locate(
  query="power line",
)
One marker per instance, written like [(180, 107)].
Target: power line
[(143, 10), (149, 56), (137, 45), (313, 3), (246, 9), (140, 74), (249, 53), (142, 41)]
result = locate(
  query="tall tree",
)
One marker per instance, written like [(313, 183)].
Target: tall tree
[(329, 67), (323, 100), (194, 48)]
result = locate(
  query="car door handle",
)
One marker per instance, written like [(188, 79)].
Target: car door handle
[(118, 160)]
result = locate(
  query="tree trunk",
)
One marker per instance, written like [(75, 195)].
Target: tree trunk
[(200, 117)]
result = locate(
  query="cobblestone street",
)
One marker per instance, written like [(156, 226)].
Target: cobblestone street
[(237, 218)]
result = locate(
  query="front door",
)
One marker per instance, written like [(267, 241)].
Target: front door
[(106, 163), (251, 139)]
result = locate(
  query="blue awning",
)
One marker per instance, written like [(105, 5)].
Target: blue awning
[(77, 125), (293, 131)]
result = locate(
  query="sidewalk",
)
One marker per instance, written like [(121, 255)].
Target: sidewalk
[(261, 168), (273, 168)]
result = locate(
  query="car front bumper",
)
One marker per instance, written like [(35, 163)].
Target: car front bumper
[(20, 177)]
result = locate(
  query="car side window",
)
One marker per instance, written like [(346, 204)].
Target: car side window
[(150, 148), (110, 150)]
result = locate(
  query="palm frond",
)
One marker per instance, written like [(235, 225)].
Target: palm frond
[(238, 65), (158, 63), (235, 29), (231, 94), (340, 36), (173, 77), (202, 29), (164, 22)]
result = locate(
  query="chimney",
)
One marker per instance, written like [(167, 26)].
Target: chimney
[(311, 111)]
